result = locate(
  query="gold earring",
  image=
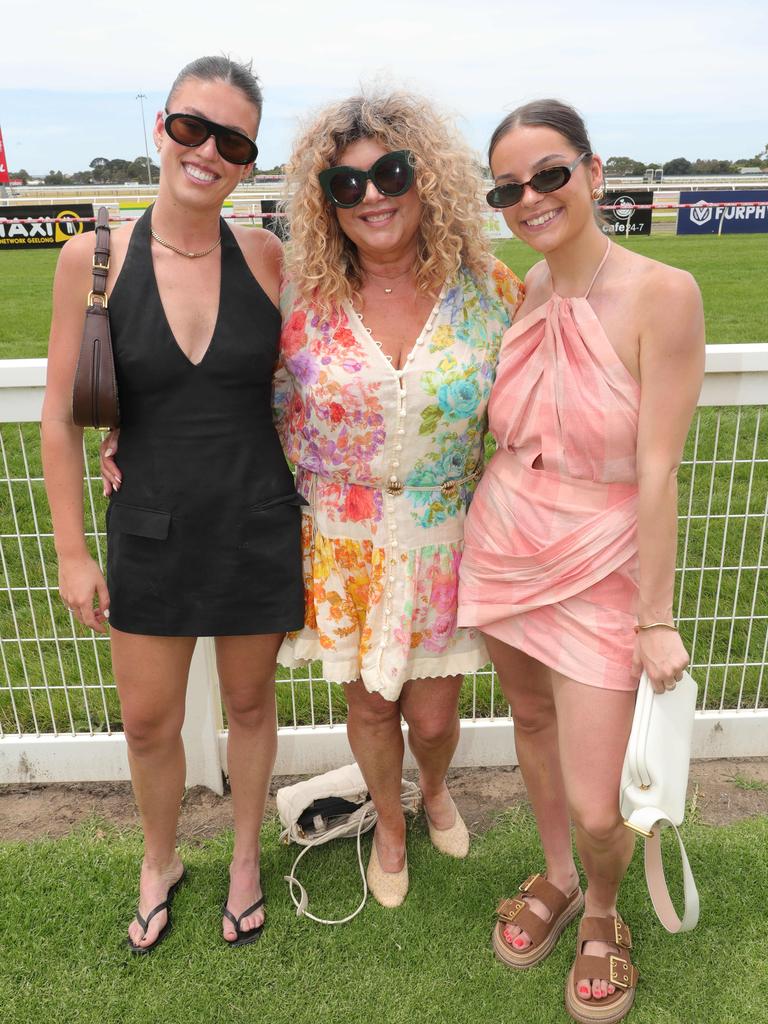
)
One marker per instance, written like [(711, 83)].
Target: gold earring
[(598, 193)]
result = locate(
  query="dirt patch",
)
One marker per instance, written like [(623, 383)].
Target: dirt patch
[(721, 791)]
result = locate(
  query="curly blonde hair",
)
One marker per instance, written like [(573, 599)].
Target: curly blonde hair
[(321, 260)]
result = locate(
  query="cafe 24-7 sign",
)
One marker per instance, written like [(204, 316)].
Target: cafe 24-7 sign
[(621, 216), (17, 233)]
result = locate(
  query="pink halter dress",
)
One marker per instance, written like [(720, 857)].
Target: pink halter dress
[(550, 553)]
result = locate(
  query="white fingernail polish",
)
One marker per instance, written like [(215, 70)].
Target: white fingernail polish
[(108, 452), (106, 613)]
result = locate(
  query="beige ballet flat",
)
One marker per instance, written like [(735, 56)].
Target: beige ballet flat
[(389, 888), (453, 841)]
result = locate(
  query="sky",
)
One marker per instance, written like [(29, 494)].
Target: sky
[(654, 80)]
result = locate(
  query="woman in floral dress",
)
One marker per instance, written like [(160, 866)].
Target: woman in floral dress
[(393, 312)]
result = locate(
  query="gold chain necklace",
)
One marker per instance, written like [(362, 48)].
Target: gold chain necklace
[(182, 252), (392, 280)]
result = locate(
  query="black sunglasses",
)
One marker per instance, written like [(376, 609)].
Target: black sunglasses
[(392, 175), (191, 130), (548, 180)]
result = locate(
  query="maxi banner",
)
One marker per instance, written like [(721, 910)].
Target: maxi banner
[(701, 219), (19, 235), (621, 216)]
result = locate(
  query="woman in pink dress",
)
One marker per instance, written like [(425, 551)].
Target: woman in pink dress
[(570, 544)]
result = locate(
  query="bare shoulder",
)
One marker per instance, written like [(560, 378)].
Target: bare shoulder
[(76, 255), (537, 275), (658, 284), (263, 253), (259, 244), (667, 304)]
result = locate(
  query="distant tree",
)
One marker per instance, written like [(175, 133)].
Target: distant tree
[(21, 175), (623, 166), (98, 161), (677, 166), (711, 167), (55, 178)]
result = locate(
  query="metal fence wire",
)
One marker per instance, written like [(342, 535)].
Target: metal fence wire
[(56, 677)]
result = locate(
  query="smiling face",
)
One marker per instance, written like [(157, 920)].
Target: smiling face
[(199, 176), (379, 226), (545, 220)]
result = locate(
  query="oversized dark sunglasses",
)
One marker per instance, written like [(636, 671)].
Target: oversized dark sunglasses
[(548, 180), (392, 175), (191, 130)]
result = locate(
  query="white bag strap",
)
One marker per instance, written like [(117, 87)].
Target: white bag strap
[(369, 815), (410, 797), (649, 821)]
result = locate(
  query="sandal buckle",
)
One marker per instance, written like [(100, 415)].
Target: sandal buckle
[(622, 933), (529, 882), (510, 908), (620, 972)]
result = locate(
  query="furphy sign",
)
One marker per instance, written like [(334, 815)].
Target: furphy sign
[(621, 215), (63, 223), (703, 219)]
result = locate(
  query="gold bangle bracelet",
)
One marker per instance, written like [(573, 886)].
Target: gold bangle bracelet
[(652, 625)]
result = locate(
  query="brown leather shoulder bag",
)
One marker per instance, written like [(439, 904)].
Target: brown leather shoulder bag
[(94, 393)]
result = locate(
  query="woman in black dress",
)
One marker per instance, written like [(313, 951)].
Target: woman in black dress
[(204, 534)]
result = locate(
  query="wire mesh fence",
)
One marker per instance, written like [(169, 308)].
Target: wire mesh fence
[(56, 678)]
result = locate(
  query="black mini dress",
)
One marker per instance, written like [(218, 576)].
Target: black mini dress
[(204, 535)]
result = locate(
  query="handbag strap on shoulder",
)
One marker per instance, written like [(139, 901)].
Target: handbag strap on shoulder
[(101, 258)]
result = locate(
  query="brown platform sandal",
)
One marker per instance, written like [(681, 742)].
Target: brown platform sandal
[(615, 968), (543, 934)]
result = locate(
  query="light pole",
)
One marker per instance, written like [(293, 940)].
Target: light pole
[(141, 97)]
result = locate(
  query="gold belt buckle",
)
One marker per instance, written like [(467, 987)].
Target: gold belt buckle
[(395, 486), (449, 488)]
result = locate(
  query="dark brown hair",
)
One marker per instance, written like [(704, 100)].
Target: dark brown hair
[(565, 120), (222, 69)]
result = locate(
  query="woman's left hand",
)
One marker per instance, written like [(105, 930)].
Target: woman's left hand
[(660, 652)]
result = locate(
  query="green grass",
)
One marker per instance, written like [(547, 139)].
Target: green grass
[(731, 272), (67, 903), (753, 785)]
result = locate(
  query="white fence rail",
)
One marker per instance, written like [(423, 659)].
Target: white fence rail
[(59, 714)]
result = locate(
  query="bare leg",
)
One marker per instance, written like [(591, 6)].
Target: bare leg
[(376, 738), (594, 726), (527, 685), (246, 666), (151, 675), (431, 709)]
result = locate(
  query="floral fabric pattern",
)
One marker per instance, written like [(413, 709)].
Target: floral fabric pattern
[(373, 446)]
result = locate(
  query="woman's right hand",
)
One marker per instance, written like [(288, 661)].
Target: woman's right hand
[(79, 580), (110, 474)]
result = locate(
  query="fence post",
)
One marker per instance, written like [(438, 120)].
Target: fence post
[(203, 720)]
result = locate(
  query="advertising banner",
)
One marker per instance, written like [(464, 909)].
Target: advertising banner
[(4, 178), (18, 235), (701, 219), (621, 216)]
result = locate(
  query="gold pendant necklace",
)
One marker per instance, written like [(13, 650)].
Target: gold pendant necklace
[(183, 252)]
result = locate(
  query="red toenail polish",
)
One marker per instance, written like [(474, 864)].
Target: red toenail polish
[(584, 990), (518, 942)]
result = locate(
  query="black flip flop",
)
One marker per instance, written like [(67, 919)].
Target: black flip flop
[(144, 922), (243, 938)]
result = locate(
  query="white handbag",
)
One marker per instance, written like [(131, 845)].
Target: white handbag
[(654, 781), (331, 806)]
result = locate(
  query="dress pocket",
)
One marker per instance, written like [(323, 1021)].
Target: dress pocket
[(281, 499), (140, 522)]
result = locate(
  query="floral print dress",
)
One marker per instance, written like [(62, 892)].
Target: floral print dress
[(388, 461)]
